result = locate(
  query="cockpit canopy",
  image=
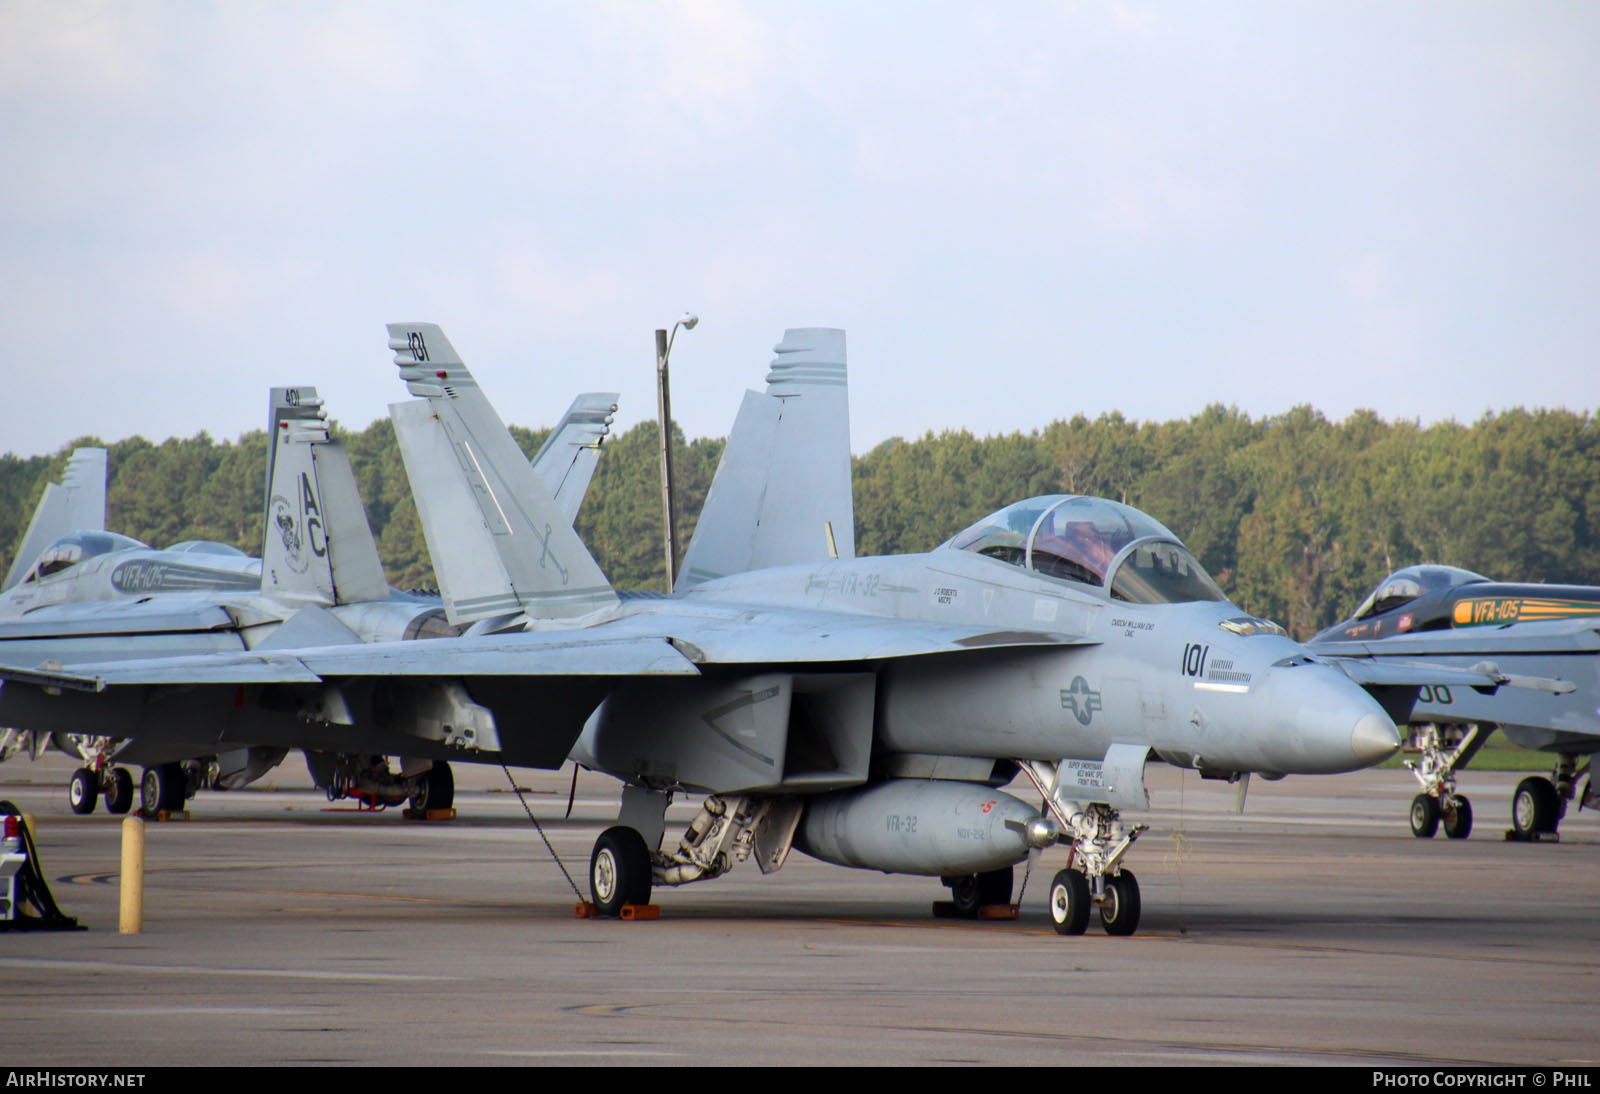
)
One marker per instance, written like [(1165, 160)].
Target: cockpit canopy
[(207, 547), (1404, 586), (72, 549), (1083, 539)]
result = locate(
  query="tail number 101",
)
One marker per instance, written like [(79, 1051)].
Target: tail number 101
[(1194, 659)]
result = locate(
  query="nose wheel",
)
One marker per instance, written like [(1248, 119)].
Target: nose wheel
[(1120, 908), (1069, 902)]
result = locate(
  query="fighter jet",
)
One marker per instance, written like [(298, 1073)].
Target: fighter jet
[(93, 595), (1542, 639), (866, 711)]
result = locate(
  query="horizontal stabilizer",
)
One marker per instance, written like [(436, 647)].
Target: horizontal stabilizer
[(782, 492)]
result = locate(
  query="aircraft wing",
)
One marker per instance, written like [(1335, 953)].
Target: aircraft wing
[(1393, 672), (93, 619), (1520, 638), (629, 648)]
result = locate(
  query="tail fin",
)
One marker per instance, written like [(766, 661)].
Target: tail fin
[(499, 542), (76, 503), (782, 492), (317, 545), (570, 455)]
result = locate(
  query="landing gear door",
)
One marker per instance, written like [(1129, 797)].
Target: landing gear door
[(1117, 780), (1123, 771)]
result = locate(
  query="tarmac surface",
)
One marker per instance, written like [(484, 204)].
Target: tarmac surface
[(1312, 929)]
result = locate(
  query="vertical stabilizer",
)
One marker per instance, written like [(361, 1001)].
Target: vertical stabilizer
[(567, 462), (784, 479), (318, 546), (498, 540), (76, 503)]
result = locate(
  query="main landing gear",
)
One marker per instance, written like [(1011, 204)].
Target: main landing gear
[(1540, 804), (429, 785), (623, 868), (98, 777), (1444, 749), (970, 894), (165, 788), (1095, 877)]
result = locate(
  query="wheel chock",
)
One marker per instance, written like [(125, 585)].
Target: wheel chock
[(169, 815), (586, 910), (1513, 836), (429, 814), (946, 909), (1000, 911)]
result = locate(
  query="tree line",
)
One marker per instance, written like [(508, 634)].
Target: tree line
[(1296, 516)]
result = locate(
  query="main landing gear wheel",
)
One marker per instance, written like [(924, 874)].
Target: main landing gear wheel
[(1458, 818), (1069, 902), (619, 870), (437, 790), (1535, 809), (1424, 816), (119, 791), (1119, 914), (973, 892), (83, 789), (162, 790)]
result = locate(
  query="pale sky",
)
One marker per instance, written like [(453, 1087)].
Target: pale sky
[(1018, 211)]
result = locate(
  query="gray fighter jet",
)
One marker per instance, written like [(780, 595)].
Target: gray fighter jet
[(864, 710), (97, 596), (1543, 638)]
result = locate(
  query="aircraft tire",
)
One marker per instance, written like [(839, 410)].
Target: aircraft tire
[(83, 789), (437, 790), (619, 870), (971, 892), (1119, 914), (1535, 808), (162, 790), (119, 791), (1069, 902), (1458, 821), (1424, 816)]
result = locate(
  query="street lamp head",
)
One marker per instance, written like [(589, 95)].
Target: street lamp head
[(689, 320)]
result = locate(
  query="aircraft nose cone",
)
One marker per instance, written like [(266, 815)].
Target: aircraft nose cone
[(1316, 720), (1374, 739)]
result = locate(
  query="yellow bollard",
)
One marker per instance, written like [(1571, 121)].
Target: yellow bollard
[(132, 918)]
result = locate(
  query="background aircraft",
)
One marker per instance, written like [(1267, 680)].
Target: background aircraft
[(76, 503), (92, 595), (1543, 637)]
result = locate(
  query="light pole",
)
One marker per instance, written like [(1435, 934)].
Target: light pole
[(664, 402)]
